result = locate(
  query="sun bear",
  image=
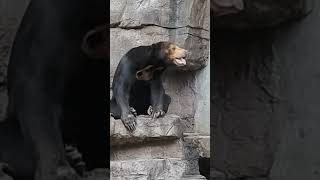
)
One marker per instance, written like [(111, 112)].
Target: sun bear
[(142, 67)]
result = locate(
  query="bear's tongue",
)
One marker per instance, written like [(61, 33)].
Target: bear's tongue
[(180, 61)]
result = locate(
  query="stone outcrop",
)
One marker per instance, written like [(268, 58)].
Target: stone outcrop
[(157, 151), (257, 13), (200, 143), (168, 127), (169, 168)]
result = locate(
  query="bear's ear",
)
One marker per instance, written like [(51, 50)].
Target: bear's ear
[(94, 43)]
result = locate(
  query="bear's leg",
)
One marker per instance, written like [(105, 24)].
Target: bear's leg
[(121, 92), (115, 110), (167, 101), (157, 98)]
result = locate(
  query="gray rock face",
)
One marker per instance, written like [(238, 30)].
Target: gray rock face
[(225, 7), (158, 149), (185, 148), (245, 104), (266, 117), (191, 177), (257, 13), (297, 155), (166, 13), (154, 168), (155, 150), (200, 144), (168, 127)]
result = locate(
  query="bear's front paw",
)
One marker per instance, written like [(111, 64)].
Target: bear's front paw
[(129, 121), (133, 111), (150, 110), (155, 112)]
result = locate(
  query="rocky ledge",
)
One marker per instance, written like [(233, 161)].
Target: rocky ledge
[(167, 127), (159, 169), (257, 13)]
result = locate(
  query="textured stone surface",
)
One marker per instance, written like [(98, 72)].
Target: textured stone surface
[(167, 127), (185, 22), (257, 13), (246, 104), (201, 144), (226, 7), (266, 106), (157, 158), (298, 155), (165, 13), (202, 110), (185, 148), (191, 177), (154, 168)]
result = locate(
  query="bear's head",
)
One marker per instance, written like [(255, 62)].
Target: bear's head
[(171, 53)]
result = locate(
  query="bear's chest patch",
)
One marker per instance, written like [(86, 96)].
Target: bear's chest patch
[(147, 73)]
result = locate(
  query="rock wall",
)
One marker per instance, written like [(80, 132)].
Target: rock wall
[(245, 104), (265, 102), (242, 14), (296, 45)]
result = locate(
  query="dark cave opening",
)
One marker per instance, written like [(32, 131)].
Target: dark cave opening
[(140, 97)]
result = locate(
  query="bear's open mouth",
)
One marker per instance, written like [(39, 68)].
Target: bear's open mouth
[(180, 61)]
